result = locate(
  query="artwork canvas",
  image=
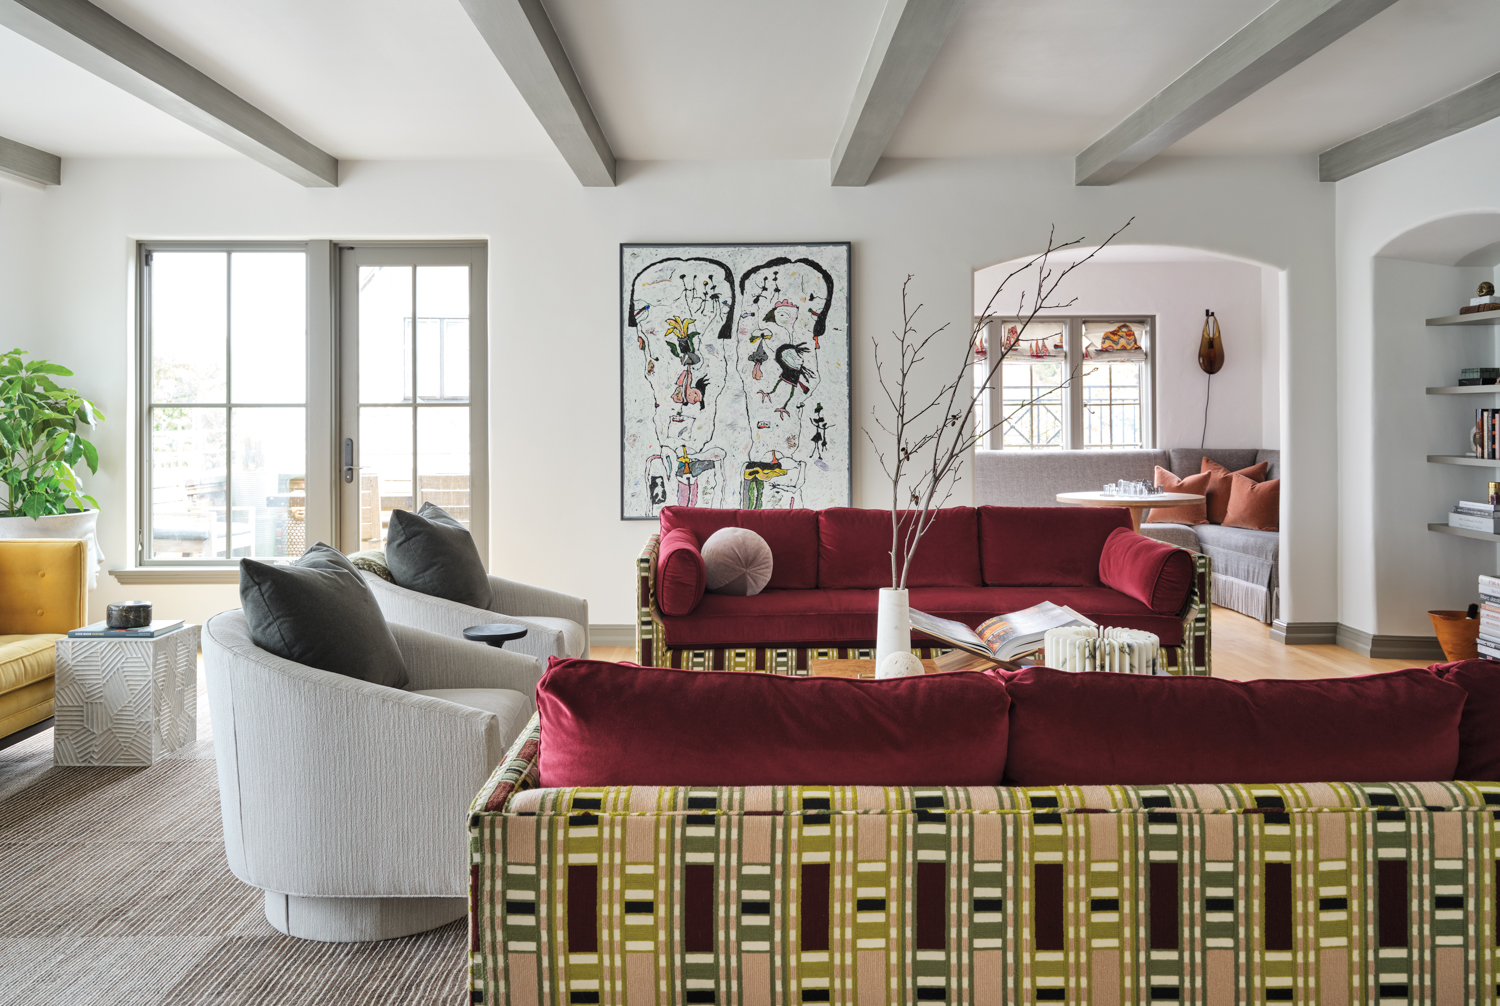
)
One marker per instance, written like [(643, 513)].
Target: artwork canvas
[(734, 377)]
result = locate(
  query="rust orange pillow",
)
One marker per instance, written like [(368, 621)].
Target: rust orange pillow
[(1253, 505), (1197, 513), (1219, 485)]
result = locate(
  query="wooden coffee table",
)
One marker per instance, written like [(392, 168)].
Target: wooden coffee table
[(956, 660), (1137, 505)]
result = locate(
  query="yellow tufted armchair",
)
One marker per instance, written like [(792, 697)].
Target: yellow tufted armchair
[(43, 594)]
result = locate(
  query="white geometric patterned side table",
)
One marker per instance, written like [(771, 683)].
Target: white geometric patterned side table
[(125, 701)]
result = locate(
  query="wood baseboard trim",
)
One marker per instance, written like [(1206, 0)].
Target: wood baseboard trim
[(1304, 633), (612, 635), (1379, 647)]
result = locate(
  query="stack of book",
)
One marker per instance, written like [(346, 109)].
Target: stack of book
[(1489, 616), (1476, 517), (1469, 376), (101, 630), (1477, 304), (1486, 432)]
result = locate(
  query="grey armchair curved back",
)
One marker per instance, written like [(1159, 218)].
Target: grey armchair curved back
[(344, 800), (557, 624)]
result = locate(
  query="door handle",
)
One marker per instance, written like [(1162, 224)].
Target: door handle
[(349, 466)]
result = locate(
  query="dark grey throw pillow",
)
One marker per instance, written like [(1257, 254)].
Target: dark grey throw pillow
[(319, 612), (431, 553)]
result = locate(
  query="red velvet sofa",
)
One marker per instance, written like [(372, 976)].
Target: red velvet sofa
[(974, 563)]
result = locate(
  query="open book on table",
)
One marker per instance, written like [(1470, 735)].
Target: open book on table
[(999, 640)]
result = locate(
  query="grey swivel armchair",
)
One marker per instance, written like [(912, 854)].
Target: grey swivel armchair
[(345, 801), (557, 624)]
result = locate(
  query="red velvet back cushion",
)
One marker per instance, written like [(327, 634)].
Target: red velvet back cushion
[(1127, 729), (1153, 572), (681, 577), (854, 549), (615, 725), (1045, 546), (1479, 733), (792, 535)]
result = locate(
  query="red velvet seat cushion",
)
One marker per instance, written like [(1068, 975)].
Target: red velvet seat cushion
[(681, 577), (1155, 573), (1127, 729), (792, 535), (1479, 733), (847, 617), (854, 549), (612, 725), (1045, 546)]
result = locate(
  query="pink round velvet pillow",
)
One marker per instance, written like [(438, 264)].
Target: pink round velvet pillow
[(738, 561)]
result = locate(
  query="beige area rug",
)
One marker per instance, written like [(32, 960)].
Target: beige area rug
[(114, 889)]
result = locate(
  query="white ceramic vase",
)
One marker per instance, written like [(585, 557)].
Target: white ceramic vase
[(79, 524), (892, 626)]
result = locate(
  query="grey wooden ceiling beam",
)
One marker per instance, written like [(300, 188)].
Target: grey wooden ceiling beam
[(1461, 110), (522, 37), (1284, 35), (106, 47), (906, 42), (30, 163)]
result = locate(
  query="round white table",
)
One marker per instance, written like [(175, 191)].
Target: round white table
[(1135, 504)]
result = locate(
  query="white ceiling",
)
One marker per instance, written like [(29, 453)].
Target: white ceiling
[(721, 79)]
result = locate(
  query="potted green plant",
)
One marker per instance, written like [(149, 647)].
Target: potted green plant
[(39, 446)]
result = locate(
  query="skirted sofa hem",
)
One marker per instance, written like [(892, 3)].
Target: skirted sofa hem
[(1316, 892), (653, 649)]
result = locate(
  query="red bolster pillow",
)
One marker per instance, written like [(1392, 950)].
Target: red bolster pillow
[(1479, 731), (1132, 730), (681, 577), (1155, 573), (608, 725)]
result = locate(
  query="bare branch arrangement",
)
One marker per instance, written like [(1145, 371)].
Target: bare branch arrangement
[(931, 438)]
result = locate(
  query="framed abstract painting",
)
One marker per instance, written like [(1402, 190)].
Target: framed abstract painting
[(734, 377)]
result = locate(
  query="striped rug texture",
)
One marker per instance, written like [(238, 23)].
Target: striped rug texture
[(114, 889)]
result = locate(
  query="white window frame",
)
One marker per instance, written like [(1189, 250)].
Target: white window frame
[(1073, 419)]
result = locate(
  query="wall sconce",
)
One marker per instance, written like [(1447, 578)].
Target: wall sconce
[(1211, 346)]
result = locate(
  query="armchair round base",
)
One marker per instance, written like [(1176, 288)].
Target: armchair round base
[(352, 920)]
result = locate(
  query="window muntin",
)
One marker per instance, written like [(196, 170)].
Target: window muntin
[(1108, 404)]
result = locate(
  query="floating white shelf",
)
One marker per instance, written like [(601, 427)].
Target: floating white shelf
[(1478, 318), (1463, 532), (1467, 389), (1463, 459)]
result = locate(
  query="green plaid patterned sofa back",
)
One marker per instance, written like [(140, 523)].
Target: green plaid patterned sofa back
[(1329, 893)]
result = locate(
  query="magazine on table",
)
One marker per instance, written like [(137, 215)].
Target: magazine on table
[(1003, 637), (101, 630)]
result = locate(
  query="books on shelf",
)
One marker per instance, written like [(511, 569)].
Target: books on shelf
[(1003, 637), (1488, 523), (1488, 650), (1488, 299), (101, 630), (1477, 308), (1486, 435), (1478, 375)]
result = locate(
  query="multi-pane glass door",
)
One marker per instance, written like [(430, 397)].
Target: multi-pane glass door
[(412, 414), (225, 428)]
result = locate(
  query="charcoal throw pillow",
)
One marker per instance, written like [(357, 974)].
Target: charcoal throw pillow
[(319, 612), (432, 553)]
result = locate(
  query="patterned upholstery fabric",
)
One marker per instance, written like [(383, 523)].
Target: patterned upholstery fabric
[(1330, 893), (654, 649)]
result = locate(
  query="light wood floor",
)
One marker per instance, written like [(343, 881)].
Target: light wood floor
[(1242, 649)]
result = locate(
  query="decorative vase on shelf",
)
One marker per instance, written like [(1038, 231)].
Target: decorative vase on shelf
[(893, 634)]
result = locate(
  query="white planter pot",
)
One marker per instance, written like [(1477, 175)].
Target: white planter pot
[(82, 524), (892, 626)]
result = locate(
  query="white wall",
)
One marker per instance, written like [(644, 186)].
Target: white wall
[(554, 312), (1391, 568), (1177, 293)]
